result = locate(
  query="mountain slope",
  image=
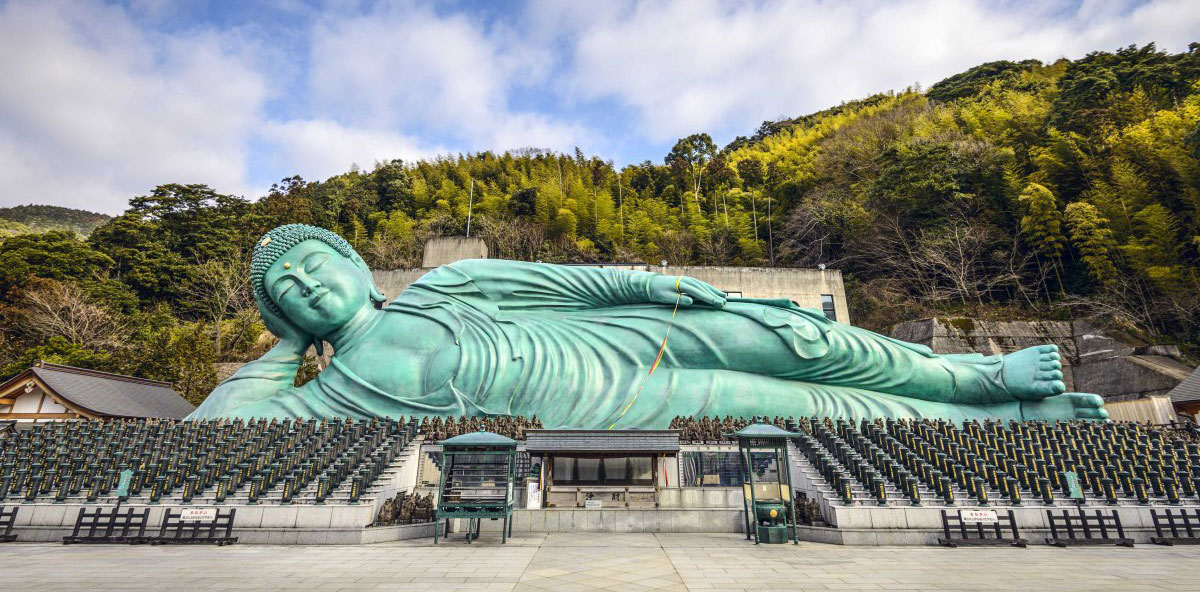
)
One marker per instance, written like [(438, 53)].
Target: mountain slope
[(39, 218)]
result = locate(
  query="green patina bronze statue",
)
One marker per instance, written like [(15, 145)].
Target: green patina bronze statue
[(575, 346)]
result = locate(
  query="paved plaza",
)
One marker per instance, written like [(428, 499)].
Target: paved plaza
[(569, 562)]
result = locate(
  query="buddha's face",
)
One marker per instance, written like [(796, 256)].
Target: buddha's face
[(317, 288)]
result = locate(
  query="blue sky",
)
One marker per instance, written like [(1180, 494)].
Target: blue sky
[(102, 101)]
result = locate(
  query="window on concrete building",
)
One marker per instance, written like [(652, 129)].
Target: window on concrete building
[(709, 469), (603, 470), (827, 307)]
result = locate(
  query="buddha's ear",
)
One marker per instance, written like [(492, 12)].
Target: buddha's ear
[(376, 296)]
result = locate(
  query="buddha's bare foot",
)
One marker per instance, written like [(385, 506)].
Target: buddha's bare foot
[(1066, 406), (1033, 373)]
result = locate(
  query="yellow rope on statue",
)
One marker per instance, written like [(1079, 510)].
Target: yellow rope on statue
[(662, 349)]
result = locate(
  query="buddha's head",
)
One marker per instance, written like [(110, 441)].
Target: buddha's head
[(311, 277)]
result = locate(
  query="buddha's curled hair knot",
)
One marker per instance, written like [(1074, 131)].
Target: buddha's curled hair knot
[(276, 242)]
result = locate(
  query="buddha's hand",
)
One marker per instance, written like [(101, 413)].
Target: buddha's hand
[(669, 289), (291, 337)]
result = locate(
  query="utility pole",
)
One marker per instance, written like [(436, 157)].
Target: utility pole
[(770, 234), (470, 206), (620, 198)]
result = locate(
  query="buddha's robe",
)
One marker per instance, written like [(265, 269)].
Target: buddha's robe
[(573, 345)]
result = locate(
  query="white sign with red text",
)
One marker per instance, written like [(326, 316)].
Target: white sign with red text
[(978, 516), (198, 514)]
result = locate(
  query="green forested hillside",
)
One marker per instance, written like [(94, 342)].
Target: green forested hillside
[(1015, 189), (10, 228), (43, 218)]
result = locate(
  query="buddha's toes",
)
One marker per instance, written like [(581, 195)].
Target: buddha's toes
[(1066, 406), (1033, 373)]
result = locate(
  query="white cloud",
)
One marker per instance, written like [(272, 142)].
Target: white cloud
[(703, 65), (94, 111), (320, 148), (408, 68), (98, 106)]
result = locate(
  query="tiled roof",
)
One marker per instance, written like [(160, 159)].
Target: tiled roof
[(762, 430), (1188, 390), (479, 439), (602, 440), (113, 394)]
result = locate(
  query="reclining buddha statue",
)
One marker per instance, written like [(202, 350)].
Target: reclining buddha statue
[(587, 347)]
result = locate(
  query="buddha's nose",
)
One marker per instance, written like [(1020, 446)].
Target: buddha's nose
[(308, 285)]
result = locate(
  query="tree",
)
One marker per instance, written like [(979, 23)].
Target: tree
[(394, 187), (1154, 249), (689, 155), (956, 255), (1091, 236), (973, 81), (55, 255), (217, 291), (751, 172), (59, 309), (1041, 225), (564, 225), (140, 259), (195, 221)]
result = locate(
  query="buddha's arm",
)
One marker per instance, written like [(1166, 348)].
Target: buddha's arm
[(269, 376), (516, 285)]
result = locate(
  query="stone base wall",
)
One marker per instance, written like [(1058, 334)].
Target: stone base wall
[(341, 525), (268, 536), (620, 520), (273, 524), (899, 525), (700, 497)]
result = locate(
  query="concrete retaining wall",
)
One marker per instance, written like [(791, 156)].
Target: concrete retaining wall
[(346, 525), (1095, 360), (270, 536), (282, 525), (700, 497), (609, 520), (899, 525)]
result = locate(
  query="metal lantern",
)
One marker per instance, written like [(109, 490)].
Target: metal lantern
[(768, 503)]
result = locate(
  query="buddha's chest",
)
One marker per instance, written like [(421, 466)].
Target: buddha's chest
[(405, 356)]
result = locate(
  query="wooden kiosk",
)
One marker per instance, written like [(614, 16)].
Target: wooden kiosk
[(478, 471)]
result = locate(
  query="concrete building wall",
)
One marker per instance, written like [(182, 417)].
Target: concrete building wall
[(448, 249), (803, 286)]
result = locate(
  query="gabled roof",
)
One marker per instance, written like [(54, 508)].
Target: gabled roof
[(109, 395), (1187, 391)]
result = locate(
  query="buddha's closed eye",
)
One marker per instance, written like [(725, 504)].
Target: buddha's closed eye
[(315, 262)]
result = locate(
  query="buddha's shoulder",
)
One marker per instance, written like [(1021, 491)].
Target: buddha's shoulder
[(410, 331)]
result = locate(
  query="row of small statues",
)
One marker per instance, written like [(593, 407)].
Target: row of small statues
[(715, 429), (405, 508), (808, 511), (437, 429)]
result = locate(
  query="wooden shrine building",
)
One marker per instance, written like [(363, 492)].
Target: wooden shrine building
[(1186, 396), (50, 392)]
